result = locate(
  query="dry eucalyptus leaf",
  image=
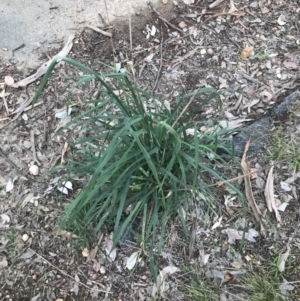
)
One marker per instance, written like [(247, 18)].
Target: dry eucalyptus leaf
[(9, 186), (112, 253), (283, 258), (131, 260), (28, 254), (4, 220), (234, 235), (3, 263), (217, 223), (160, 286), (246, 52), (188, 2), (290, 65), (85, 252), (285, 186), (281, 20), (67, 235)]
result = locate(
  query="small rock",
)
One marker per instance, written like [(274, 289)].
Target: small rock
[(34, 170), (25, 237), (254, 4), (102, 270), (27, 144)]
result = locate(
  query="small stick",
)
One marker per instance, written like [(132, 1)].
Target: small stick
[(163, 19), (130, 33), (9, 161), (105, 33), (18, 48), (33, 148), (217, 2), (4, 101), (161, 59), (64, 273)]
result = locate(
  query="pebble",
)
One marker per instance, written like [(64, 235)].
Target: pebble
[(27, 144), (25, 237), (34, 170)]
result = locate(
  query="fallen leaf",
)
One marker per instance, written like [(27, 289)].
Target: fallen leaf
[(65, 186), (282, 207), (234, 235), (203, 258), (131, 261), (269, 195), (290, 65), (248, 190), (94, 292), (3, 263), (64, 190), (283, 258), (63, 114), (160, 287), (4, 220), (281, 20), (76, 286), (246, 52), (285, 186), (28, 254), (35, 298), (285, 287), (112, 253), (217, 223), (85, 252), (67, 235), (9, 186), (96, 266), (164, 1), (250, 234), (43, 69)]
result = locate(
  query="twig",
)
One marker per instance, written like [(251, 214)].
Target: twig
[(4, 101), (182, 112), (237, 14), (111, 40), (216, 3), (130, 33), (161, 58), (248, 191), (163, 19), (64, 273), (105, 33), (184, 57), (18, 48), (9, 161), (33, 148)]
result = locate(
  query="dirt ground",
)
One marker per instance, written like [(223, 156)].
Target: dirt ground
[(169, 53)]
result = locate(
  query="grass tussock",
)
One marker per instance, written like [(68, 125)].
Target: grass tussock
[(139, 157)]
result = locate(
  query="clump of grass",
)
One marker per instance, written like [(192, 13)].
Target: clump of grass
[(284, 149), (202, 290), (261, 288), (139, 157)]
